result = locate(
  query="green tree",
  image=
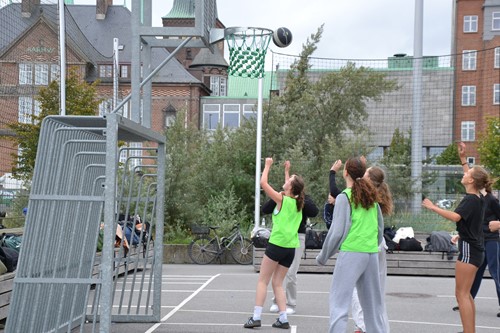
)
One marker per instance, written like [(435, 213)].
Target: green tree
[(315, 112), (489, 146), (449, 156), (81, 99)]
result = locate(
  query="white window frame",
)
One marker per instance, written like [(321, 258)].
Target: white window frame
[(471, 160), (468, 95), (231, 110), (55, 72), (497, 57), (124, 71), (495, 21), (106, 71), (470, 23), (25, 74), (41, 74), (468, 131), (469, 59), (218, 85), (106, 106), (249, 111), (214, 110), (25, 109), (496, 93)]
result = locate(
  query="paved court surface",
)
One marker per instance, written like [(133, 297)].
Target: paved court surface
[(220, 298)]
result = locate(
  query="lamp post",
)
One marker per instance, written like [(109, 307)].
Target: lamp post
[(116, 69)]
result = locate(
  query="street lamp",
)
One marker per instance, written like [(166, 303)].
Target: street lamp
[(116, 69)]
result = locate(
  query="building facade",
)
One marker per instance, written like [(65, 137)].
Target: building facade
[(477, 70)]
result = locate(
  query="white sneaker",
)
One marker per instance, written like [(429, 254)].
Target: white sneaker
[(274, 308), (290, 311)]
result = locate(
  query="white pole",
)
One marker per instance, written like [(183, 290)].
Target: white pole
[(115, 72), (417, 128), (258, 154), (62, 60)]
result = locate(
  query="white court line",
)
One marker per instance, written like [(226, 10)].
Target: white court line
[(171, 313), (477, 297), (293, 328)]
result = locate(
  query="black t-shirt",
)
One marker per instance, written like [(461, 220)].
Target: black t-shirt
[(471, 211), (491, 213)]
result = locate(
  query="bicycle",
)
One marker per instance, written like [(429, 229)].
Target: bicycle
[(204, 249)]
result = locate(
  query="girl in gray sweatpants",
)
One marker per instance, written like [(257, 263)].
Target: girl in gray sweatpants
[(357, 229)]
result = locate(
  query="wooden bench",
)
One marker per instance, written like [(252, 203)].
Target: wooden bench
[(398, 263)]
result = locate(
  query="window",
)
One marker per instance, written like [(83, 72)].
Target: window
[(470, 23), (376, 154), (471, 160), (249, 111), (41, 74), (495, 22), (468, 95), (468, 130), (25, 74), (497, 57), (496, 93), (211, 116), (105, 106), (54, 72), (25, 110), (218, 85), (231, 115), (124, 71), (469, 60), (105, 71)]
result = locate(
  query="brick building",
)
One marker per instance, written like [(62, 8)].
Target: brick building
[(477, 71), (29, 59)]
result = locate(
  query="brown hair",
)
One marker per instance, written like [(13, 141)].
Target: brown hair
[(481, 179), (377, 177), (297, 190), (363, 191)]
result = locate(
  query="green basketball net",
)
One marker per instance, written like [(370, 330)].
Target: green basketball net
[(247, 51)]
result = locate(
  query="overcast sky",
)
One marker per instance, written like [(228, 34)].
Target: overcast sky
[(353, 29), (363, 29)]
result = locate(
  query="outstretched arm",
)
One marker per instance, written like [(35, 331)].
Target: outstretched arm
[(447, 214), (287, 170), (334, 190), (271, 193), (461, 155)]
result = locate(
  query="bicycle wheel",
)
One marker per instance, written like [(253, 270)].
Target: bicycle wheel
[(242, 251), (202, 250)]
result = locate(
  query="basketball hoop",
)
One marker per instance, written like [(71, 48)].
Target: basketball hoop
[(247, 50)]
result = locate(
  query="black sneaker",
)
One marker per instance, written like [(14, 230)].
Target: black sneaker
[(279, 324), (455, 308), (498, 314), (252, 323)]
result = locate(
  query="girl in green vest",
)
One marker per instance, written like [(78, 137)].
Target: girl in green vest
[(282, 243), (356, 232)]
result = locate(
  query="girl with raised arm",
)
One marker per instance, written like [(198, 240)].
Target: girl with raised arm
[(280, 251)]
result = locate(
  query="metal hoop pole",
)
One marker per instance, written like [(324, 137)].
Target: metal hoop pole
[(258, 153)]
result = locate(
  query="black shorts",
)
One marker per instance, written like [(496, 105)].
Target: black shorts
[(283, 255), (469, 254)]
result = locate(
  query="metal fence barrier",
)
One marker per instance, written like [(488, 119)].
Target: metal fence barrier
[(79, 188)]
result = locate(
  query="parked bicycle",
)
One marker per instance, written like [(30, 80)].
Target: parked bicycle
[(204, 249)]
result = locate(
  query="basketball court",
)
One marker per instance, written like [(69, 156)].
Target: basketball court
[(219, 298)]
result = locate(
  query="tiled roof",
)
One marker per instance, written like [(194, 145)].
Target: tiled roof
[(91, 38)]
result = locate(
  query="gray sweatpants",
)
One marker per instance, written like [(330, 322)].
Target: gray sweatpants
[(360, 270)]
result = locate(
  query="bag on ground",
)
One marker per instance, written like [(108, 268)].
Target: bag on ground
[(440, 241), (9, 258), (410, 244), (260, 238), (312, 239)]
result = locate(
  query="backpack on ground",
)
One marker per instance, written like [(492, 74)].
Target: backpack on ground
[(9, 258), (12, 241), (410, 244), (322, 236), (312, 239), (389, 234), (260, 238)]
